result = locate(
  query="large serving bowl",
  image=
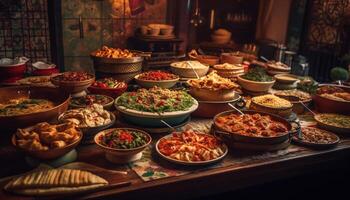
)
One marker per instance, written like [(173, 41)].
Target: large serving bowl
[(151, 83), (47, 154), (150, 119), (121, 155), (72, 86), (59, 98), (231, 137), (326, 105), (111, 92), (255, 86), (189, 72)]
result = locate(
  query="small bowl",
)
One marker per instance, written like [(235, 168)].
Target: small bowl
[(111, 92), (166, 31), (46, 72), (122, 155), (255, 86), (73, 86), (150, 84), (286, 78), (48, 154), (12, 73), (220, 39), (231, 58)]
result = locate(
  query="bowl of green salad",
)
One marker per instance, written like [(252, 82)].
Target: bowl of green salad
[(122, 145), (256, 80), (152, 107)]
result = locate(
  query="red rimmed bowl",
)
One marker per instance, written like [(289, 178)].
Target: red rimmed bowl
[(12, 73), (111, 92)]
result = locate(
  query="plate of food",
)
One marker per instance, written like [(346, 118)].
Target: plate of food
[(47, 141), (315, 137), (332, 99), (278, 66), (256, 80), (73, 82), (85, 101), (213, 87), (122, 145), (254, 127), (157, 78), (22, 106), (189, 69), (90, 120), (336, 123), (147, 107), (109, 87), (191, 148)]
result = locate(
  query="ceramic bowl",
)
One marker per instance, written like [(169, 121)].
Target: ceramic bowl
[(255, 86), (59, 98), (73, 86), (48, 154), (122, 155)]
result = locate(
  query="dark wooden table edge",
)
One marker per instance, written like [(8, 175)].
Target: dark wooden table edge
[(239, 177)]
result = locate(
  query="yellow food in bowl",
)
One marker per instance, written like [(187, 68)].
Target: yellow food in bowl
[(271, 101)]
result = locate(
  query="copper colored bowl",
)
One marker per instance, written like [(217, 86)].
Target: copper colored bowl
[(209, 60), (48, 154), (59, 98), (73, 86)]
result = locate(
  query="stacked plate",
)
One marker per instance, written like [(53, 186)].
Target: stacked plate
[(227, 70), (274, 68)]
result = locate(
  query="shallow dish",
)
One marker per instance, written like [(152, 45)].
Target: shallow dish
[(255, 86), (122, 155), (59, 98), (329, 127), (106, 106), (286, 78), (204, 94), (90, 132), (48, 154), (193, 163), (151, 83), (300, 141)]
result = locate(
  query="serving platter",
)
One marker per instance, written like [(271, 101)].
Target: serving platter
[(329, 127), (188, 163)]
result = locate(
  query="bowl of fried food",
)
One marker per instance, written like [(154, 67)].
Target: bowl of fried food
[(213, 88), (47, 141), (89, 120), (73, 82)]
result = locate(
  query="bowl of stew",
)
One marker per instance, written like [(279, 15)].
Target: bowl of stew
[(122, 145)]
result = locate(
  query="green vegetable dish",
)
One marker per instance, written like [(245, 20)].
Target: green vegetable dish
[(123, 139), (257, 74), (156, 100)]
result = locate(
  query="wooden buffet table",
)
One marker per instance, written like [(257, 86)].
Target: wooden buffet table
[(198, 182)]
